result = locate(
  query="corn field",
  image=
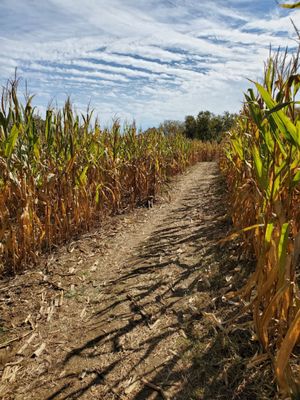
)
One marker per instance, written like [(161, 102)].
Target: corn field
[(60, 175), (262, 167)]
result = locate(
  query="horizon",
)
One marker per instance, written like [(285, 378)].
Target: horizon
[(147, 62)]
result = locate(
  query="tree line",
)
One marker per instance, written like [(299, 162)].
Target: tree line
[(206, 126)]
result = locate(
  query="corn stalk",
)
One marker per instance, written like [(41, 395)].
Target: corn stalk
[(262, 166), (62, 174)]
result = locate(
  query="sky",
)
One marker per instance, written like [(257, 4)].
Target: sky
[(142, 60)]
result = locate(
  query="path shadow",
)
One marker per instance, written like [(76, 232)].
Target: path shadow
[(170, 270)]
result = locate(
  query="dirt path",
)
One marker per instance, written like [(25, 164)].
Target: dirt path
[(128, 312)]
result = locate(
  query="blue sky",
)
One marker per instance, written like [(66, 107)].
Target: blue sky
[(147, 60)]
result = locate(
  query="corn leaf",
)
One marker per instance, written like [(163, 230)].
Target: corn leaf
[(296, 5), (11, 141), (282, 121)]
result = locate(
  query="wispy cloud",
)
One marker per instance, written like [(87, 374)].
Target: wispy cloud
[(149, 60)]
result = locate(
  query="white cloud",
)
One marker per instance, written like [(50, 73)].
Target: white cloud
[(276, 23), (149, 60)]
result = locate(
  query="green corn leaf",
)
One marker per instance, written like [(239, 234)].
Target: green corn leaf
[(278, 107), (252, 96), (282, 249), (237, 144), (11, 141), (280, 145), (36, 149), (268, 235), (276, 185), (257, 162), (83, 176), (296, 178), (255, 113), (296, 5), (282, 121), (269, 75), (269, 141)]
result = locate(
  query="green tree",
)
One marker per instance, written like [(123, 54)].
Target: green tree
[(228, 121), (216, 127), (170, 127), (190, 127), (204, 125)]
